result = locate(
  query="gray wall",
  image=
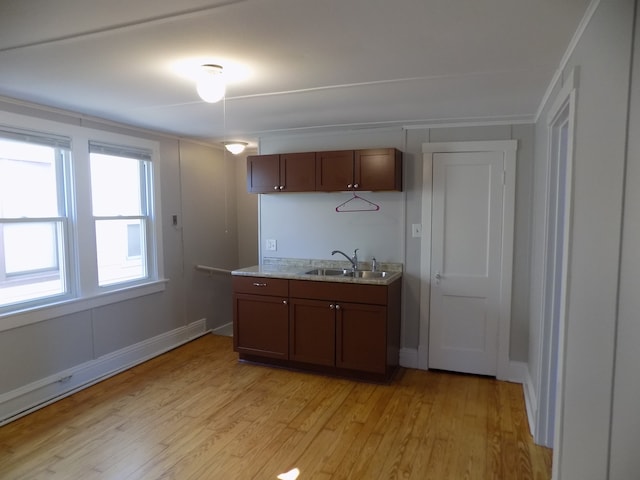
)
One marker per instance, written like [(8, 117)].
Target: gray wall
[(625, 429), (602, 56), (311, 221), (198, 184), (247, 215)]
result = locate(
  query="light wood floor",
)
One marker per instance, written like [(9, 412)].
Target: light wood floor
[(196, 413)]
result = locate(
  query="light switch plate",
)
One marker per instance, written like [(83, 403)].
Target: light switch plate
[(416, 230), (271, 245)]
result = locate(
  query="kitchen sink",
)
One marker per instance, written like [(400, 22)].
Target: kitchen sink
[(330, 272), (370, 274), (334, 272)]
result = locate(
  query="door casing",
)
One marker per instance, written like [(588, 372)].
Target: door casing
[(509, 149)]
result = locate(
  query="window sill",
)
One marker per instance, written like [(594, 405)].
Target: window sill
[(21, 318)]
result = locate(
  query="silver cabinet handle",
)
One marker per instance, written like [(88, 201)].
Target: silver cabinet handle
[(356, 185), (349, 186), (281, 187), (337, 307), (285, 302), (332, 306), (256, 284), (275, 187)]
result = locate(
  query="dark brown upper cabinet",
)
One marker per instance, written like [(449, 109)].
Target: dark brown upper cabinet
[(287, 172), (334, 171), (375, 169), (369, 170)]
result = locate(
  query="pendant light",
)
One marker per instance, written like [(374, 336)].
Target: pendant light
[(210, 86)]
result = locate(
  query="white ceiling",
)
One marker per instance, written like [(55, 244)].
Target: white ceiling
[(293, 65)]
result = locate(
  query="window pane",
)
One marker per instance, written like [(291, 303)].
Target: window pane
[(115, 186), (115, 240), (28, 180), (32, 255), (29, 247)]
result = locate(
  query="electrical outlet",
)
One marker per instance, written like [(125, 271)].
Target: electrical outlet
[(416, 230), (271, 245)]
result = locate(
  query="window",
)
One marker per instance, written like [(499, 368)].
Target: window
[(34, 221), (78, 219), (120, 187)]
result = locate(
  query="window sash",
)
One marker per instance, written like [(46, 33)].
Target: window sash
[(34, 287), (114, 262)]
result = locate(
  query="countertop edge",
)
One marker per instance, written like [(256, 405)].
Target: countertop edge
[(290, 273)]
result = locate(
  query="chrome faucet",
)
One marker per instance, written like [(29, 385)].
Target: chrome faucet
[(353, 260)]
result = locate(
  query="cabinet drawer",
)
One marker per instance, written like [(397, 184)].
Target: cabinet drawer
[(260, 285), (338, 292)]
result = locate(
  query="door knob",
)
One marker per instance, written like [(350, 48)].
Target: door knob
[(437, 276)]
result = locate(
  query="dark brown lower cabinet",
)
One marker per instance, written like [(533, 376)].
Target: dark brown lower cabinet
[(262, 327), (261, 316), (361, 337), (312, 332), (337, 328)]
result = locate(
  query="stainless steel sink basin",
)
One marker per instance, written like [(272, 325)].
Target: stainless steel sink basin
[(369, 274), (330, 272), (334, 272)]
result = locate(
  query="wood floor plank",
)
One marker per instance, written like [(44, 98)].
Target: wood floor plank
[(197, 413)]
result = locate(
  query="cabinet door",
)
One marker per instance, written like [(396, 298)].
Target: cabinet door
[(334, 171), (361, 337), (298, 172), (378, 169), (261, 325), (263, 173), (312, 332)]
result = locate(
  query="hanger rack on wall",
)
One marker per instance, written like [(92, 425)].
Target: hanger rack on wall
[(357, 204)]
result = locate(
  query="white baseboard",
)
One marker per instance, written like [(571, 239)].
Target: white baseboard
[(30, 397), (531, 403), (409, 357), (223, 329)]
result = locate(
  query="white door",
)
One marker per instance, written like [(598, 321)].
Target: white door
[(466, 252)]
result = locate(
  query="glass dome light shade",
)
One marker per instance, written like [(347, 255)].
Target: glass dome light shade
[(210, 86)]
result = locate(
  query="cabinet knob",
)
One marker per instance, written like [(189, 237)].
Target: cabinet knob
[(332, 306), (275, 187), (281, 187), (285, 302), (337, 307), (356, 185), (349, 186)]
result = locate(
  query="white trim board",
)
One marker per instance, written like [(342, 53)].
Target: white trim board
[(28, 398)]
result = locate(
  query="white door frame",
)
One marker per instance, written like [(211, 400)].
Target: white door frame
[(552, 327), (508, 148)]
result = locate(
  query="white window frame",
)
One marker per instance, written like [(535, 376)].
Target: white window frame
[(146, 215), (62, 144), (83, 284)]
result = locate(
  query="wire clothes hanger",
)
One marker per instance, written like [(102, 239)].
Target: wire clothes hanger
[(357, 204)]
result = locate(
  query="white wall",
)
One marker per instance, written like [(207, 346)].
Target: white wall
[(602, 58), (306, 225)]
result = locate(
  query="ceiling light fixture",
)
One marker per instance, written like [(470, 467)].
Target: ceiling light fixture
[(235, 147), (210, 86)]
